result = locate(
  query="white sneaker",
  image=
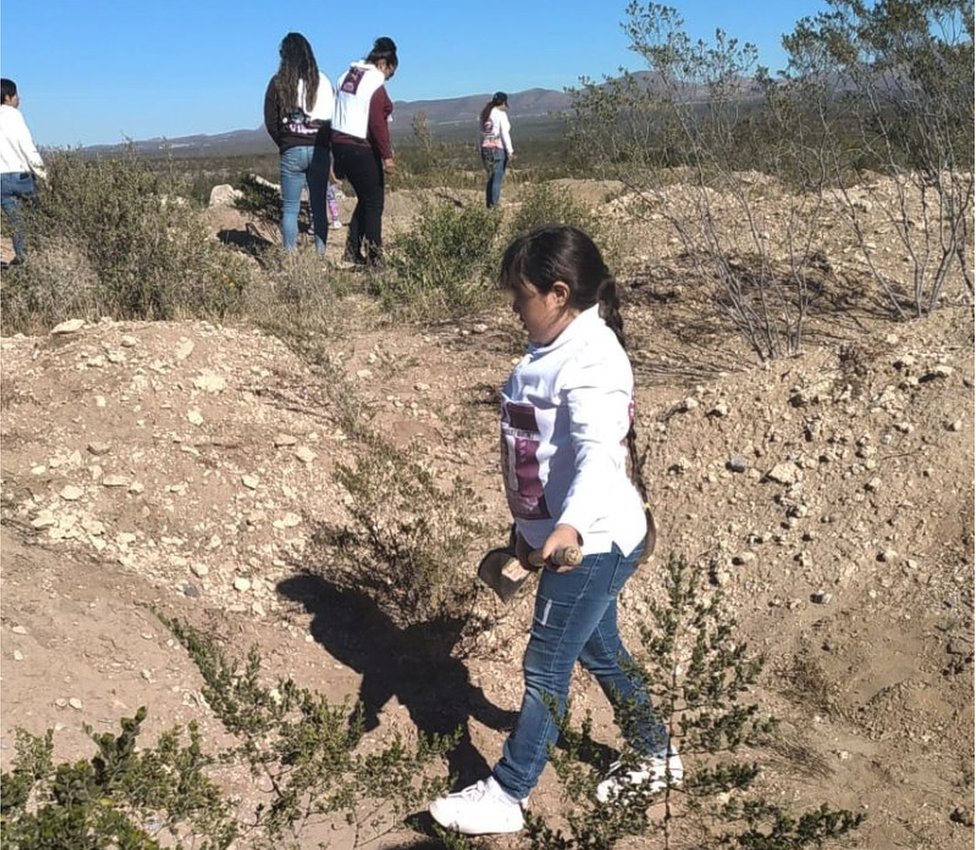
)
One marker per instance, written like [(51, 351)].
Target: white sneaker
[(659, 772), (480, 809)]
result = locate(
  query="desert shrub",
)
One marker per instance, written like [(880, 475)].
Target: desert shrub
[(409, 539), (442, 266), (900, 101), (59, 281), (308, 751), (303, 280), (547, 203), (260, 197), (305, 748), (700, 677), (131, 229), (122, 797)]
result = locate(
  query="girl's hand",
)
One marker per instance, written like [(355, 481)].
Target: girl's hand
[(562, 536), (388, 166)]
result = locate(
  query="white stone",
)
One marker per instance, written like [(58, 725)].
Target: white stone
[(71, 493), (210, 382), (784, 473), (44, 519), (250, 481), (194, 417), (305, 454), (184, 348), (224, 195), (69, 327)]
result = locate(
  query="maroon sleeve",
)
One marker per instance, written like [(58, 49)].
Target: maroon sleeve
[(380, 108), (272, 123)]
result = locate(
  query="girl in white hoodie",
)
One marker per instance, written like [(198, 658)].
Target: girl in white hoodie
[(567, 435)]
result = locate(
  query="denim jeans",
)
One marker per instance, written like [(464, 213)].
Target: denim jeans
[(576, 619), (495, 161), (362, 167), (300, 165), (15, 185)]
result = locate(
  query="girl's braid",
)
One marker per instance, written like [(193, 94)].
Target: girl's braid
[(610, 311)]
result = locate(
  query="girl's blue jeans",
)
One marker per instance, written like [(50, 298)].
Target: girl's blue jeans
[(495, 162), (13, 187), (301, 164), (575, 619)]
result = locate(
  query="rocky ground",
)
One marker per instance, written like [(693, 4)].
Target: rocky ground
[(184, 466)]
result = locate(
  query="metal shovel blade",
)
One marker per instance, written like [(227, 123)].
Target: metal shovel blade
[(502, 572)]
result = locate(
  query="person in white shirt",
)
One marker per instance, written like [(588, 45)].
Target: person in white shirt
[(567, 430), (362, 147), (298, 108), (20, 163), (496, 145)]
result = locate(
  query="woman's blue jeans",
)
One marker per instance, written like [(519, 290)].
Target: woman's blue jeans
[(576, 620), (495, 160), (15, 186), (301, 164)]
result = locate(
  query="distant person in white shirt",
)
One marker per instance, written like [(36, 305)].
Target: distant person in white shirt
[(496, 145), (20, 163)]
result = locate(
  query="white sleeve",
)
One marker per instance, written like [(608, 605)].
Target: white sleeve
[(599, 416), (506, 131), (27, 148)]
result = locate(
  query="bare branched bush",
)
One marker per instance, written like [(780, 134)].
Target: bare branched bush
[(890, 88), (676, 138), (707, 134)]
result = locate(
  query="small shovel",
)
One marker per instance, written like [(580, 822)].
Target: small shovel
[(503, 573)]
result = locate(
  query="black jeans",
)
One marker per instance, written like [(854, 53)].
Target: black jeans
[(361, 166)]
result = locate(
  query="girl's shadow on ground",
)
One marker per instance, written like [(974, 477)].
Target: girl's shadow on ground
[(413, 664)]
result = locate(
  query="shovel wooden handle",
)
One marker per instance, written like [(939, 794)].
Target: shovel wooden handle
[(568, 556)]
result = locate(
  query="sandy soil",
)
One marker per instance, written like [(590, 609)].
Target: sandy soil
[(160, 464)]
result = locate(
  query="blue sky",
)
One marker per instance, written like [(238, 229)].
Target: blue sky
[(98, 72)]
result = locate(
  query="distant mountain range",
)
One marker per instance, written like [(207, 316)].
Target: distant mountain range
[(534, 111)]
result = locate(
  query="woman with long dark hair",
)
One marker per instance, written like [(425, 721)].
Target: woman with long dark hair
[(496, 144), (298, 108), (361, 145)]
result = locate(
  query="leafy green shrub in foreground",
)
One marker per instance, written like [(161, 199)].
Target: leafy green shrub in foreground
[(120, 798), (118, 239), (700, 677), (444, 265)]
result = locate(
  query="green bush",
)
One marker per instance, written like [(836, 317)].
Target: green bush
[(547, 203), (122, 797), (700, 678), (443, 266), (409, 540), (118, 239)]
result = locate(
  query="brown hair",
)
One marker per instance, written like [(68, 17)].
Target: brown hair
[(297, 63)]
